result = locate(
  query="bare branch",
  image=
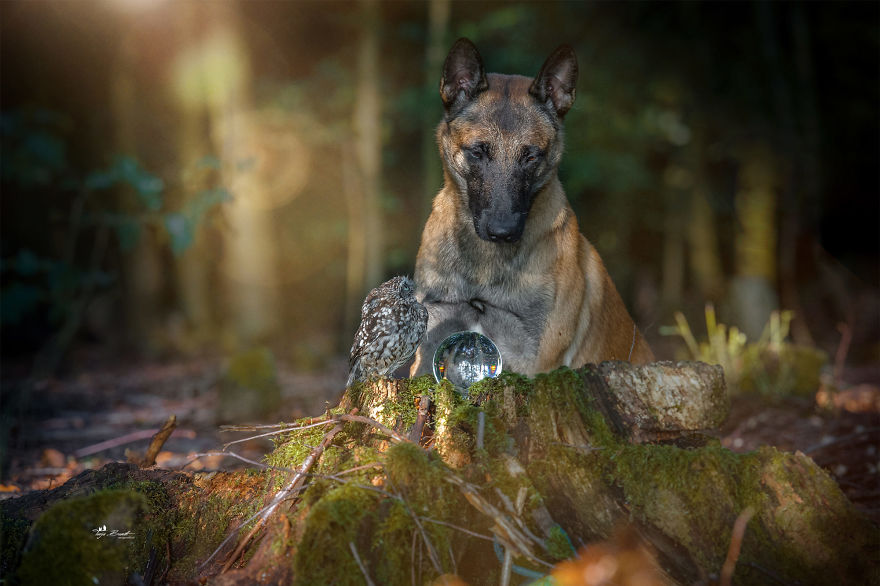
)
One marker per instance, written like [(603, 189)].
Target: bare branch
[(294, 485), (159, 440), (739, 529), (278, 432), (360, 564)]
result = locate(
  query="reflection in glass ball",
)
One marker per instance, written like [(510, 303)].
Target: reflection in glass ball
[(465, 358)]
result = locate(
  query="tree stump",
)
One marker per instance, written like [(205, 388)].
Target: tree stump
[(420, 483)]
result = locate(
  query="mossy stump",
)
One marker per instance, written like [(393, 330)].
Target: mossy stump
[(530, 469)]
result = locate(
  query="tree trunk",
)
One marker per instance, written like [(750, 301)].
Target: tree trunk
[(192, 265), (249, 264), (142, 273), (361, 175), (368, 141), (535, 468), (435, 52)]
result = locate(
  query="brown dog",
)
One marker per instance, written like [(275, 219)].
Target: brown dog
[(501, 253)]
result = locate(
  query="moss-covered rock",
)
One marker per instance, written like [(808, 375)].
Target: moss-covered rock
[(97, 539)]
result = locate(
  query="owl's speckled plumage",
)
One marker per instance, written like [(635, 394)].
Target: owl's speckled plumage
[(392, 326)]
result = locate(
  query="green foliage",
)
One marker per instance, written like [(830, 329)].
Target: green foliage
[(123, 198), (180, 225), (33, 154), (32, 282), (770, 366)]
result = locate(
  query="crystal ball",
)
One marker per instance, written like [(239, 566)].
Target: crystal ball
[(465, 358)]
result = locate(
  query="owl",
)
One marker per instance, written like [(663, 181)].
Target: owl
[(392, 326)]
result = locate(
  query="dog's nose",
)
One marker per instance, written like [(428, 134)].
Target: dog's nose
[(502, 233)]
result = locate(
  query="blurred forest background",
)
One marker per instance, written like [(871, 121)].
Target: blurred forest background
[(182, 178)]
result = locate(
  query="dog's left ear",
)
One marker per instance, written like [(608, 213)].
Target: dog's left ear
[(556, 80), (463, 76)]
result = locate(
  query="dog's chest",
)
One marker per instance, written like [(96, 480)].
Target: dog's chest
[(511, 311)]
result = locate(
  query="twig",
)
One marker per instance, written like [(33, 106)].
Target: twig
[(128, 438), (456, 527), (507, 531), (353, 418), (415, 433), (481, 428), (236, 456), (277, 432), (739, 529), (506, 566), (359, 468), (412, 559), (360, 564), (230, 536), (842, 350), (361, 419), (282, 426), (291, 487), (159, 440), (432, 552)]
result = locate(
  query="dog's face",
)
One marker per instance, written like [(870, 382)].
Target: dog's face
[(501, 139)]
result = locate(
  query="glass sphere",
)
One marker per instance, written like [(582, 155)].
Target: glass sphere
[(465, 358)]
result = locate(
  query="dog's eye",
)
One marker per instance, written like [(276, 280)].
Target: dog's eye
[(477, 151), (530, 155)]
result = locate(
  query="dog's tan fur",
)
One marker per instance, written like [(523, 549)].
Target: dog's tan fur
[(546, 299)]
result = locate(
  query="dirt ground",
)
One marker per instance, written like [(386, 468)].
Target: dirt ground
[(103, 412)]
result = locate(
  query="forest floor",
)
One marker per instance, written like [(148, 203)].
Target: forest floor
[(106, 411)]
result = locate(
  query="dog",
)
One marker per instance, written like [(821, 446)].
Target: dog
[(501, 252)]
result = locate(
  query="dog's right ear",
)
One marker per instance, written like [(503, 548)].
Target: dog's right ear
[(555, 83), (463, 76)]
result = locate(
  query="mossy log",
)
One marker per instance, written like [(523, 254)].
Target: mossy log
[(518, 476)]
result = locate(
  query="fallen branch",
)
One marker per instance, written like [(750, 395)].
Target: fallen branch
[(277, 432), (128, 438), (293, 486), (360, 564), (739, 529), (361, 419), (158, 441), (236, 456), (506, 530), (283, 426), (415, 434)]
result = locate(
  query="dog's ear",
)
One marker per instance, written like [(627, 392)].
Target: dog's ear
[(463, 76), (556, 80)]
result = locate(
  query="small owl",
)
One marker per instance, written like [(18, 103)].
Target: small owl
[(392, 326)]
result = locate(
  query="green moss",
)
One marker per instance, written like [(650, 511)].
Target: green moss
[(658, 479), (402, 411), (422, 385), (291, 449), (323, 555), (204, 520), (492, 387), (63, 547), (559, 546)]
